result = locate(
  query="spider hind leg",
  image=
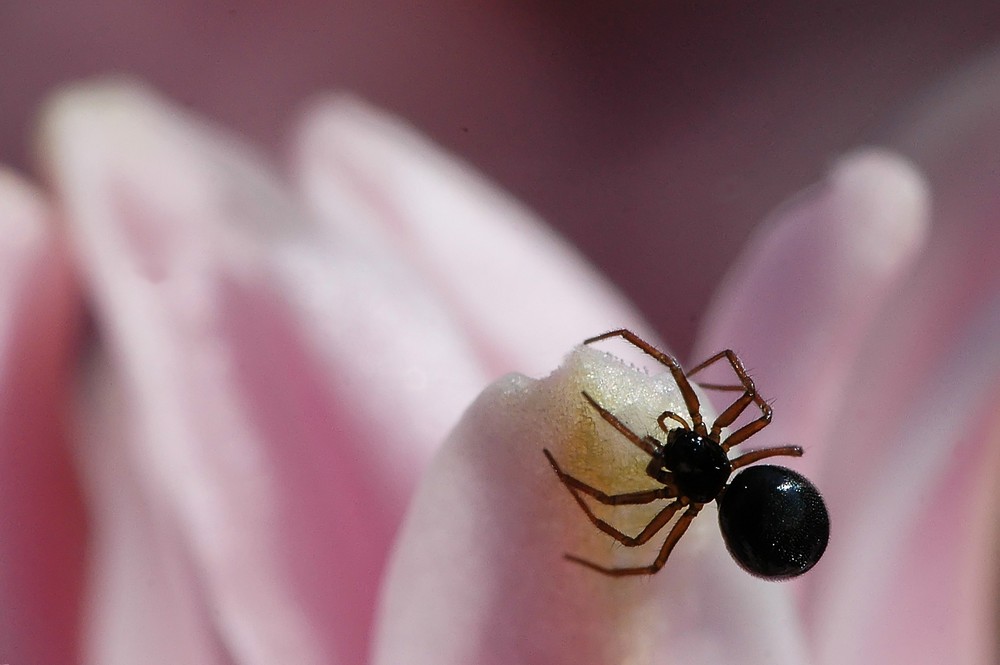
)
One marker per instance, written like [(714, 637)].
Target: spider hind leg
[(680, 526)]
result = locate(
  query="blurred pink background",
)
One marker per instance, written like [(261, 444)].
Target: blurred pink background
[(654, 137)]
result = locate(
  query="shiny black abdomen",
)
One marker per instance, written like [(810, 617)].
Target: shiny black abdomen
[(774, 522)]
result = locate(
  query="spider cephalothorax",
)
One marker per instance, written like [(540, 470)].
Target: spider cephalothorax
[(699, 465), (773, 519)]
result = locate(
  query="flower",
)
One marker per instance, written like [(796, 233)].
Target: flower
[(217, 472)]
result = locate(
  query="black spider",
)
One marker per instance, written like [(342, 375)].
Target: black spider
[(773, 519)]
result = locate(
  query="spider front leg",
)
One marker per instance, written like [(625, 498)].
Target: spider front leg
[(648, 444), (733, 411), (675, 534), (687, 392)]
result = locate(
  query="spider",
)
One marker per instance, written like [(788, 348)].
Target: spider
[(773, 520)]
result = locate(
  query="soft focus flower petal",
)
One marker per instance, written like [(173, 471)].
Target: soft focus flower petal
[(520, 295), (914, 479), (227, 416), (800, 301), (478, 575), (42, 529), (145, 599), (281, 377), (859, 354)]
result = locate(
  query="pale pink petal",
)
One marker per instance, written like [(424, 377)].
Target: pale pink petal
[(145, 600), (915, 470), (912, 483), (798, 303), (282, 466), (857, 355), (526, 299), (478, 575), (156, 208), (43, 525), (520, 294), (905, 579)]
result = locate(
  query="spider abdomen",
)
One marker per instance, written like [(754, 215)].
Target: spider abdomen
[(774, 522)]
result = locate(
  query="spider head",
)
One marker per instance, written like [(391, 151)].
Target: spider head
[(699, 465)]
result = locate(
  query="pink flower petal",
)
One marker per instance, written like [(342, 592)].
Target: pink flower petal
[(520, 293), (479, 575), (808, 286), (146, 603), (383, 188), (279, 375), (171, 222), (286, 390), (908, 479), (924, 414), (43, 529), (908, 576)]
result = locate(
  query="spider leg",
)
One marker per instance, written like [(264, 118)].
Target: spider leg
[(628, 498), (751, 428), (650, 530), (687, 392), (716, 386), (723, 386), (647, 496), (733, 411), (650, 445), (680, 526), (719, 386), (755, 455)]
